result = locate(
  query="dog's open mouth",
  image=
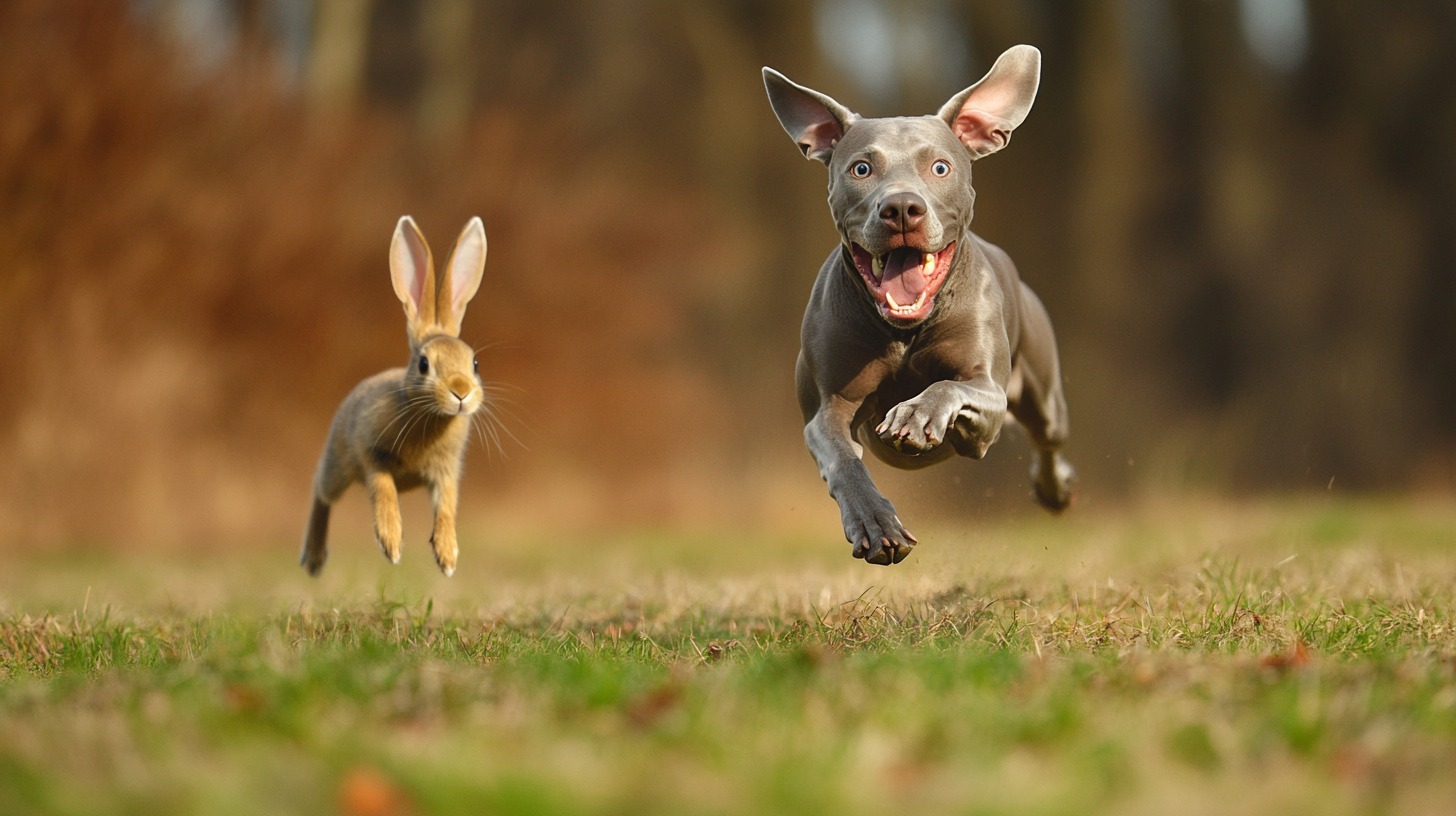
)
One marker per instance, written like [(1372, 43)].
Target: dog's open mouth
[(903, 281)]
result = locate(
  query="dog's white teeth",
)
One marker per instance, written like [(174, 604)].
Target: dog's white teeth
[(877, 267), (889, 298), (927, 264)]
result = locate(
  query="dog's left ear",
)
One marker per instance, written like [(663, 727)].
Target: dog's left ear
[(984, 114), (813, 120)]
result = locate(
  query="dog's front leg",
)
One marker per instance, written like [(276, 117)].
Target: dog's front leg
[(966, 413), (870, 522)]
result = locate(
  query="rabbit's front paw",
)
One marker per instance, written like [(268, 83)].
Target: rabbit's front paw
[(446, 550), (389, 543)]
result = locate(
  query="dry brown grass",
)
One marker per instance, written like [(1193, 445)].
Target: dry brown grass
[(1197, 657)]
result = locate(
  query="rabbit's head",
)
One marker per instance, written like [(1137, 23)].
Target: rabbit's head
[(441, 374)]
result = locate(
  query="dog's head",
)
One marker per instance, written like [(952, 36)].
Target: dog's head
[(900, 188)]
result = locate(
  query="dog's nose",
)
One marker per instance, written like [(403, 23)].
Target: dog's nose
[(903, 212)]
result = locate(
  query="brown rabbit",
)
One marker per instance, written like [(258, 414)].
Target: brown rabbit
[(407, 427)]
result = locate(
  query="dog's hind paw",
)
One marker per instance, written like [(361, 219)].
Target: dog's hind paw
[(1053, 485)]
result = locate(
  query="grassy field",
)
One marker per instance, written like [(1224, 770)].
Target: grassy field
[(1283, 657)]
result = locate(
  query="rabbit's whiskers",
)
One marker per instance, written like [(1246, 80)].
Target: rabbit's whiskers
[(418, 413), (409, 411), (485, 425), (489, 418)]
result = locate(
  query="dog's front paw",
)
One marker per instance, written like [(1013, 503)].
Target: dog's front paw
[(915, 426), (876, 532)]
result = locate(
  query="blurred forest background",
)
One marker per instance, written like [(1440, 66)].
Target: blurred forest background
[(1241, 215)]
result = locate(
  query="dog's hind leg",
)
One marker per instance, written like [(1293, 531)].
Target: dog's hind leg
[(1039, 404)]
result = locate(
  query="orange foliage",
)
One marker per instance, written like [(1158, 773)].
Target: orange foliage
[(195, 274)]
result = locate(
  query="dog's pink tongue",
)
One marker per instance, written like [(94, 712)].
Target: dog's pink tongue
[(904, 276)]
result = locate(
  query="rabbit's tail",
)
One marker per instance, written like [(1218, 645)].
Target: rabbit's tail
[(315, 541)]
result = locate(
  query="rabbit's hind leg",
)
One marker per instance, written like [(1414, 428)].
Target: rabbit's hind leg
[(315, 540)]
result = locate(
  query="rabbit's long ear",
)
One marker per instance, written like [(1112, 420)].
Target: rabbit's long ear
[(413, 272), (460, 277)]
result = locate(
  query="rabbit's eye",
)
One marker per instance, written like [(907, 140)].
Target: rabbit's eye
[(424, 365), (476, 363)]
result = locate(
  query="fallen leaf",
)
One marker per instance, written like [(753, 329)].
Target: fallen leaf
[(649, 709), (1296, 657), (368, 792)]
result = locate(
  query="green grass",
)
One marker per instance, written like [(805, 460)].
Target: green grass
[(1297, 657)]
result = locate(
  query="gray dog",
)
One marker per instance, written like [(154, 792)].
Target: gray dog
[(919, 336)]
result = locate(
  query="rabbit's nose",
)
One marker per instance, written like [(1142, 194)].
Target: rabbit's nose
[(460, 389)]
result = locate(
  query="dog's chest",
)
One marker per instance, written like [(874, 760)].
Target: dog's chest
[(909, 369)]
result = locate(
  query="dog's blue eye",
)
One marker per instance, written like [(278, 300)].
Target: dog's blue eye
[(940, 168), (860, 169), (424, 365)]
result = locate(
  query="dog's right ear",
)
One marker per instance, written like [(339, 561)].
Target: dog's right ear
[(814, 121), (984, 114)]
